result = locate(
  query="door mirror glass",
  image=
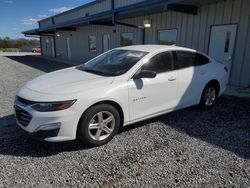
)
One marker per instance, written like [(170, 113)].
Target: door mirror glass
[(145, 74)]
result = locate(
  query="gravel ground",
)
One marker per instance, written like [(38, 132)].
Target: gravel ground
[(188, 148)]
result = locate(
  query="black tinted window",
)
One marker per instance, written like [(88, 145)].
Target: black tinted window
[(160, 63), (201, 59), (185, 59)]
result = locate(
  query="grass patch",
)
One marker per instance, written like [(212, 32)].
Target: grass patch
[(10, 50)]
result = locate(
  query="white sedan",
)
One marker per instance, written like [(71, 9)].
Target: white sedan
[(120, 87)]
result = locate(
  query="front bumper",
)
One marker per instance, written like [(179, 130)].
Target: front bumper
[(42, 125), (43, 134)]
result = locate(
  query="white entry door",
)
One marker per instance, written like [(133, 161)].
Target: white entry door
[(106, 42), (68, 48), (222, 41)]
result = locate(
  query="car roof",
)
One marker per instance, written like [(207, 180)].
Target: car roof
[(154, 48)]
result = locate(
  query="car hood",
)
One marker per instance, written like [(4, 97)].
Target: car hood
[(65, 81)]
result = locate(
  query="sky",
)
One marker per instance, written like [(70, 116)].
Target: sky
[(21, 15)]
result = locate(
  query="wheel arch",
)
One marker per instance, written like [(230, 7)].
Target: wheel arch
[(110, 102), (216, 83)]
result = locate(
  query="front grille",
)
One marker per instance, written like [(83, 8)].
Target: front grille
[(22, 116)]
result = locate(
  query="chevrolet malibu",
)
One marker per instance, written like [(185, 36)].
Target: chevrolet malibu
[(125, 85)]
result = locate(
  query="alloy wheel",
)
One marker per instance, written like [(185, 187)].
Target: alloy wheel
[(101, 126), (210, 96)]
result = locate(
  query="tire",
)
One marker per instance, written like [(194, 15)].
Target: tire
[(98, 125), (209, 96)]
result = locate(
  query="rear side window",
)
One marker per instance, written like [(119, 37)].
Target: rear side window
[(160, 63), (186, 59), (201, 59)]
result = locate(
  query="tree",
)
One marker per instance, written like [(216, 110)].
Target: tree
[(6, 42), (7, 38)]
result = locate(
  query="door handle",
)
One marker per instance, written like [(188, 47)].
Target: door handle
[(172, 79)]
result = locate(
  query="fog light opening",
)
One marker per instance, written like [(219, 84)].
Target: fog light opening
[(49, 127)]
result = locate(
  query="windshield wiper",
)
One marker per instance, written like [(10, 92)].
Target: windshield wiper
[(97, 72), (92, 71)]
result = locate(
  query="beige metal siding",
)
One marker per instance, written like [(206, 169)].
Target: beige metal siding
[(245, 70), (241, 43), (202, 28), (79, 41), (99, 7), (122, 3)]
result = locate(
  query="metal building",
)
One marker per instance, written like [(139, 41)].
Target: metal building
[(220, 28)]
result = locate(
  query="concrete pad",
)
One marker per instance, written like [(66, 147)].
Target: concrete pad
[(237, 92)]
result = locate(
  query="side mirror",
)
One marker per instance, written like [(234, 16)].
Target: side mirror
[(144, 74)]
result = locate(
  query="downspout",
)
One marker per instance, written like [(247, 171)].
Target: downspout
[(40, 40), (143, 35), (54, 40)]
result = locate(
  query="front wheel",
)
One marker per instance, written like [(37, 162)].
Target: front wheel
[(209, 96), (98, 125)]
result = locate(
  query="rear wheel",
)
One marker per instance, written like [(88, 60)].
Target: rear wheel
[(98, 125), (209, 96)]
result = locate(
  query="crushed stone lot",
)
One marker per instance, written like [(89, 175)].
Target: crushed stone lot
[(188, 148)]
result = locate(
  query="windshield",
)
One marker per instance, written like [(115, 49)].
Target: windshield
[(113, 63)]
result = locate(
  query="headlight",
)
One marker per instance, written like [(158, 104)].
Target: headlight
[(52, 106)]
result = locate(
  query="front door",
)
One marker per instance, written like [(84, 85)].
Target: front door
[(68, 48), (151, 96), (106, 42), (222, 41)]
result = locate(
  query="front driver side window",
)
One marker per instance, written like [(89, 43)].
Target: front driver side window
[(160, 63)]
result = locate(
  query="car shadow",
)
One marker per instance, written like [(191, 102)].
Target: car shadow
[(15, 142), (39, 63), (226, 126)]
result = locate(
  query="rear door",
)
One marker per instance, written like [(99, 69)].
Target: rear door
[(192, 76), (149, 96)]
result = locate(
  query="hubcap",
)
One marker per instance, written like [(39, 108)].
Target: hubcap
[(101, 125), (210, 96)]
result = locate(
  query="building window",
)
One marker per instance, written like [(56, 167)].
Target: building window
[(92, 43), (167, 37), (127, 39), (227, 43)]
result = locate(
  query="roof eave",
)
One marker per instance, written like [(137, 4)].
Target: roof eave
[(31, 32)]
